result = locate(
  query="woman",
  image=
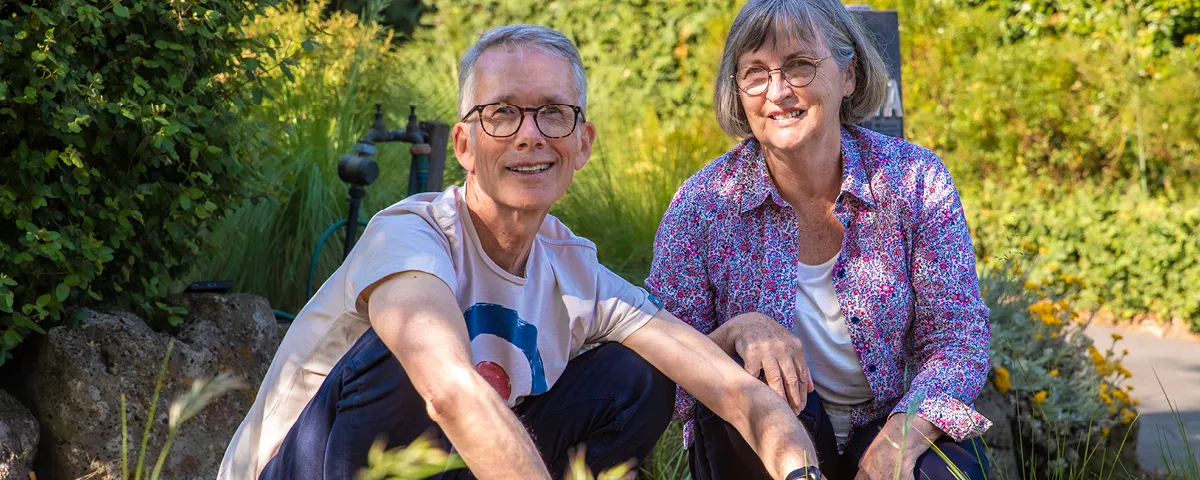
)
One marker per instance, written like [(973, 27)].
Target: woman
[(834, 261)]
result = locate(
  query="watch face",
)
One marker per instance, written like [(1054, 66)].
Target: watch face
[(812, 473)]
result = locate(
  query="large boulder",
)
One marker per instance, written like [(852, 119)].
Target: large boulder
[(18, 438), (78, 376)]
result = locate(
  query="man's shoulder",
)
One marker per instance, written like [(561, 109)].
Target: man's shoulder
[(437, 210)]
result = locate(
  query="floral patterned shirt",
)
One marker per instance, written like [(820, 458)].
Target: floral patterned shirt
[(905, 277)]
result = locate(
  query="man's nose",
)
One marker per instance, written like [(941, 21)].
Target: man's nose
[(778, 89), (528, 136)]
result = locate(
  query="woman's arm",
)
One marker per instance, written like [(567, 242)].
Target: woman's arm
[(950, 328)]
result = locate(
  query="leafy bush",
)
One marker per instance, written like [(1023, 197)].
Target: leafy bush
[(121, 139), (1134, 253), (1070, 107), (1073, 409)]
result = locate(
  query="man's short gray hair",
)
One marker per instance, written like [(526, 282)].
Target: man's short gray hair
[(517, 36), (760, 20)]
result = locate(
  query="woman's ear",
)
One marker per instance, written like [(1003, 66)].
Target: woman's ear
[(850, 81)]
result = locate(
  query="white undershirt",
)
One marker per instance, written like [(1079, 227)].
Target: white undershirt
[(836, 371)]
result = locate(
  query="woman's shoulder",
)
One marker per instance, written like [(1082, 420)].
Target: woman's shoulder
[(885, 154), (714, 187)]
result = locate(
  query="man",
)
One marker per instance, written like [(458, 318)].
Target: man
[(464, 313)]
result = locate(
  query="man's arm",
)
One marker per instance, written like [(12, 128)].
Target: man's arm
[(417, 317), (699, 366)]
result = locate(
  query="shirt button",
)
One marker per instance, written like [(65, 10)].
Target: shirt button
[(871, 369), (854, 320)]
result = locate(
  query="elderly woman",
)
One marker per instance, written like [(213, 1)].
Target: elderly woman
[(834, 261)]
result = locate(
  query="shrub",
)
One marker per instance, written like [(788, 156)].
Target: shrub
[(1067, 106), (1072, 407), (1133, 253), (121, 139)]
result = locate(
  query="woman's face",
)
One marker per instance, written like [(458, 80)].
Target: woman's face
[(788, 119)]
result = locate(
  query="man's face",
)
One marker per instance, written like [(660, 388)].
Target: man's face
[(527, 77)]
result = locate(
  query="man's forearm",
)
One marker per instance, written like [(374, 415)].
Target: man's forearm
[(775, 434), (488, 436)]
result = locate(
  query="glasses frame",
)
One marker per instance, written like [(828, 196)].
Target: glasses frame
[(520, 123), (782, 76)]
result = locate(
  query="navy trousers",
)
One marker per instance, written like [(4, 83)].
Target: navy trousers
[(609, 400), (720, 453)]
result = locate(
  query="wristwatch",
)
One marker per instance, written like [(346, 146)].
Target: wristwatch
[(810, 472)]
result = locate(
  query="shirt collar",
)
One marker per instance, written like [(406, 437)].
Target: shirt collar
[(755, 184)]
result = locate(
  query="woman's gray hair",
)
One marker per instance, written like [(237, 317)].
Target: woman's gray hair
[(517, 36), (761, 20)]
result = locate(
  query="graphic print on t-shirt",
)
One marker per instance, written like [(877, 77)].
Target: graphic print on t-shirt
[(496, 333)]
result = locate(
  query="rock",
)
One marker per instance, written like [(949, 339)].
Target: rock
[(18, 438), (78, 376), (1000, 439)]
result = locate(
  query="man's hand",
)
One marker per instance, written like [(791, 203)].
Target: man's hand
[(765, 346), (894, 453), (417, 317), (698, 365)]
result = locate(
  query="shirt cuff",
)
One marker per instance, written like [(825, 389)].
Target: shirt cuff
[(956, 419)]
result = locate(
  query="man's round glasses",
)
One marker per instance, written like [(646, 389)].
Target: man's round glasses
[(555, 120), (799, 72)]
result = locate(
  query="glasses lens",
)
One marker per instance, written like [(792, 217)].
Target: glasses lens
[(556, 120), (799, 73), (500, 120), (753, 80)]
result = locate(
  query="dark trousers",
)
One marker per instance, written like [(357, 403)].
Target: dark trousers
[(720, 453), (609, 400)]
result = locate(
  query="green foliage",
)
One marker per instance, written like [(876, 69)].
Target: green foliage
[(1070, 107), (121, 138), (1071, 405), (636, 53), (401, 16), (1135, 253), (312, 120), (1157, 25)]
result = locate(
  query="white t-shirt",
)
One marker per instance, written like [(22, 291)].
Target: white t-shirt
[(836, 371), (523, 330)]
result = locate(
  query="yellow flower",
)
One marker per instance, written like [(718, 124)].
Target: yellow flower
[(1124, 351), (1054, 373), (1002, 380), (1122, 371), (1129, 387), (1040, 397), (1030, 246), (1030, 285), (1104, 432), (1054, 335), (1038, 336), (1044, 251), (1117, 337), (1121, 396), (1127, 416)]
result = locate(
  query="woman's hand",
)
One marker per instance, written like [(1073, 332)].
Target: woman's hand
[(765, 346), (896, 448)]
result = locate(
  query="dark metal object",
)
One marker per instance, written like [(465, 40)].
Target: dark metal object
[(428, 139), (884, 27)]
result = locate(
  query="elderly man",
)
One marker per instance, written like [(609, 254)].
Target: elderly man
[(464, 314)]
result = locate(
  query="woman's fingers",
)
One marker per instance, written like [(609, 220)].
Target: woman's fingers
[(774, 378), (793, 374)]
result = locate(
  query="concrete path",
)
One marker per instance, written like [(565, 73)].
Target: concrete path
[(1177, 364)]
